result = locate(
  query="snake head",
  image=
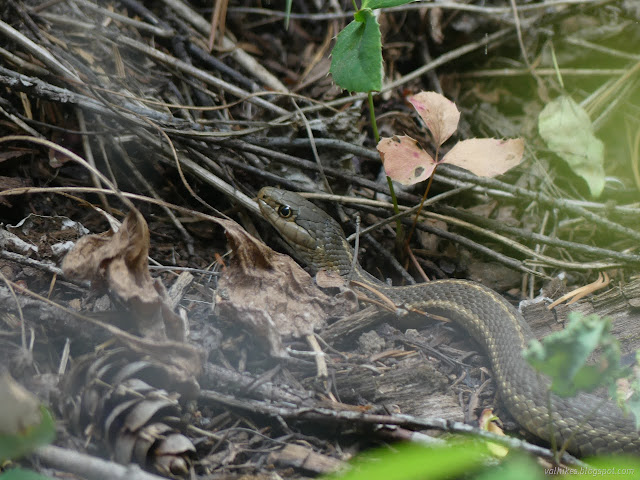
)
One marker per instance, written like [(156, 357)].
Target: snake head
[(316, 238)]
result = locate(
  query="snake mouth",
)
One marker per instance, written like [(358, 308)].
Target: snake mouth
[(268, 206), (262, 199)]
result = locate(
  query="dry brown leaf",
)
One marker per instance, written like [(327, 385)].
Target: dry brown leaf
[(9, 154), (182, 362), (271, 295), (486, 157), (119, 262), (331, 279), (305, 458), (404, 160), (439, 114), (7, 183)]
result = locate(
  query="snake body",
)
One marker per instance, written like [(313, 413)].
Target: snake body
[(583, 422)]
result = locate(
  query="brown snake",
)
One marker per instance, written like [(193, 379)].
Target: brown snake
[(588, 424)]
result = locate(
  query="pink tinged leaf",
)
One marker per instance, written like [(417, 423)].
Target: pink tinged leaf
[(439, 114), (404, 160), (486, 157)]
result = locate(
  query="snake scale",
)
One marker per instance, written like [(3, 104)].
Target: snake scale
[(588, 425)]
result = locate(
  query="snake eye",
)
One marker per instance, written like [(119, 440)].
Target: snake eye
[(285, 211)]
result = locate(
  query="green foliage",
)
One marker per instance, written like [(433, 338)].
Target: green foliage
[(21, 474), (519, 467), (568, 132), (470, 460), (18, 444), (563, 355), (414, 461), (356, 63), (356, 59), (606, 468)]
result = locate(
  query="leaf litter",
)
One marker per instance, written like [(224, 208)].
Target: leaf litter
[(238, 426)]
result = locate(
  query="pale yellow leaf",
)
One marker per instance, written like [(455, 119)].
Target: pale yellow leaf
[(486, 157), (489, 422)]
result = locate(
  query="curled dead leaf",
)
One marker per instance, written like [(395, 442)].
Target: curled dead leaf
[(271, 295), (119, 262)]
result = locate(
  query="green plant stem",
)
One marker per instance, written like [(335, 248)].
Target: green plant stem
[(372, 116), (396, 210), (376, 135), (417, 215), (424, 197), (355, 7)]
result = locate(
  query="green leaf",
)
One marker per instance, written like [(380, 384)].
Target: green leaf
[(605, 468), (22, 474), (520, 467), (356, 59), (373, 4), (18, 444), (563, 355), (567, 130), (414, 461)]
